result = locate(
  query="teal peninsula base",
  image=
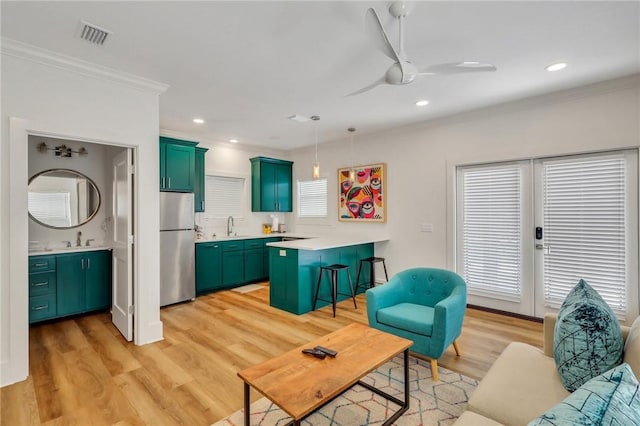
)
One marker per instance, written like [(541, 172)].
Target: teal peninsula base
[(294, 274)]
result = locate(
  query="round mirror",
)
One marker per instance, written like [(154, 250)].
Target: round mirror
[(62, 198)]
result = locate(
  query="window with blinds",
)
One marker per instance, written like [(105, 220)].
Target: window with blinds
[(584, 228), (53, 208), (223, 197), (491, 229), (312, 198)]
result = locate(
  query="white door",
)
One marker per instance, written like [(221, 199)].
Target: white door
[(122, 309), (587, 221), (528, 231)]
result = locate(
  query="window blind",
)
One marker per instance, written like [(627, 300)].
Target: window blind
[(223, 197), (491, 226), (312, 198), (584, 228), (53, 208)]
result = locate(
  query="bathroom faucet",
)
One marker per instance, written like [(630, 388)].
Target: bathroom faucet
[(78, 240), (88, 242), (229, 225)]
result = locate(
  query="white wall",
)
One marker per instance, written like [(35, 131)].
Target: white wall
[(421, 160), (48, 95)]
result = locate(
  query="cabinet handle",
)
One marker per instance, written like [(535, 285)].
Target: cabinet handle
[(169, 182), (88, 263), (40, 264), (202, 204), (40, 284), (82, 260), (163, 181), (39, 308)]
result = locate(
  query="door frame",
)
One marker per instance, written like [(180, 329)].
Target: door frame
[(14, 365)]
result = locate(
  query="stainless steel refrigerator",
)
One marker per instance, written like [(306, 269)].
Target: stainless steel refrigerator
[(177, 248)]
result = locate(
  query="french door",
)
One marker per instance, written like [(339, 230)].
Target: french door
[(527, 231)]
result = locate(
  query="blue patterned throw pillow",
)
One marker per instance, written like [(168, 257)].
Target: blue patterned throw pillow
[(612, 398), (587, 339)]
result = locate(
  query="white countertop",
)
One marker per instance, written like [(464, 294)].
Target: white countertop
[(329, 242), (63, 250), (250, 237)]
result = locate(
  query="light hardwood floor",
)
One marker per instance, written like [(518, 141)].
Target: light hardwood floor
[(83, 372)]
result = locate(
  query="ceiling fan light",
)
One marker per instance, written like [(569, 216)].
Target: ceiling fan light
[(556, 67)]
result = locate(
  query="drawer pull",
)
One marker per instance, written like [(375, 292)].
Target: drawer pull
[(39, 308), (41, 284), (40, 264)]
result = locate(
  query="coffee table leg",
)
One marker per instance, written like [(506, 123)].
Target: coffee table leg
[(406, 380), (247, 405)]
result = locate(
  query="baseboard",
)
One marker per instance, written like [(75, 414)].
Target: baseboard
[(505, 313)]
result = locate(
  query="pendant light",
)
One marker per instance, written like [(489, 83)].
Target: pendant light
[(352, 171), (315, 174)]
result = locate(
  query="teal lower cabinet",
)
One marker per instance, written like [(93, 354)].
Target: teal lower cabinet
[(69, 284), (294, 275), (208, 267), (232, 263), (42, 288), (228, 264), (253, 265), (98, 284)]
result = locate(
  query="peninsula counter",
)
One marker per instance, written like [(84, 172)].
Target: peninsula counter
[(294, 267)]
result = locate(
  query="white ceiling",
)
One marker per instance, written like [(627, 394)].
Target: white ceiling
[(246, 66)]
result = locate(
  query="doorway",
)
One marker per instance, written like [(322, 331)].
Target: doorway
[(108, 169)]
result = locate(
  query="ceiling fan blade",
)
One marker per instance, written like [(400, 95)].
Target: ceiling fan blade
[(457, 68), (369, 87), (379, 36)]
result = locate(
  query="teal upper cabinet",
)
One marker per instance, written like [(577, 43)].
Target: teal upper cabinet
[(177, 165), (271, 185), (198, 188)]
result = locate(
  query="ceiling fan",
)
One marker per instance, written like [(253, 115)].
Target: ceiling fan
[(404, 71)]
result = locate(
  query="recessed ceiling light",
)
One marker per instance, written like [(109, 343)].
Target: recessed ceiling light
[(556, 67), (198, 120), (422, 103), (233, 140)]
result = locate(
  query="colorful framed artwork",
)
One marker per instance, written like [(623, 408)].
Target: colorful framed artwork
[(363, 199)]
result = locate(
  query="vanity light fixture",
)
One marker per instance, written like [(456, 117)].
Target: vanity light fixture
[(422, 103), (315, 173), (198, 120), (352, 171), (61, 150), (556, 67)]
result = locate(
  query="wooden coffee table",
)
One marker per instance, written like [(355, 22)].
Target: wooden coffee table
[(300, 383)]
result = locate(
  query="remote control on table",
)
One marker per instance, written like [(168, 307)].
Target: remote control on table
[(327, 351), (316, 353)]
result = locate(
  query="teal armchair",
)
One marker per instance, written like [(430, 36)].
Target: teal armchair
[(425, 305)]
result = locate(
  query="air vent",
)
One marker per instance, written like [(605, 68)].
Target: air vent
[(93, 33)]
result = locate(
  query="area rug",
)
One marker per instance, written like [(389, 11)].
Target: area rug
[(247, 288), (432, 403)]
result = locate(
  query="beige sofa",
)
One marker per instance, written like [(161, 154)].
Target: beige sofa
[(524, 383)]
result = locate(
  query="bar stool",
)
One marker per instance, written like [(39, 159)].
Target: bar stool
[(334, 269), (372, 270)]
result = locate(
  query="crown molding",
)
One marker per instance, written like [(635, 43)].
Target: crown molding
[(41, 56)]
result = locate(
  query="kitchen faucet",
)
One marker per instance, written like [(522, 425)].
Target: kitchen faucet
[(229, 225), (78, 240)]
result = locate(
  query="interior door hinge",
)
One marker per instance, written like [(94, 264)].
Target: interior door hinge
[(131, 310), (132, 169), (131, 239)]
